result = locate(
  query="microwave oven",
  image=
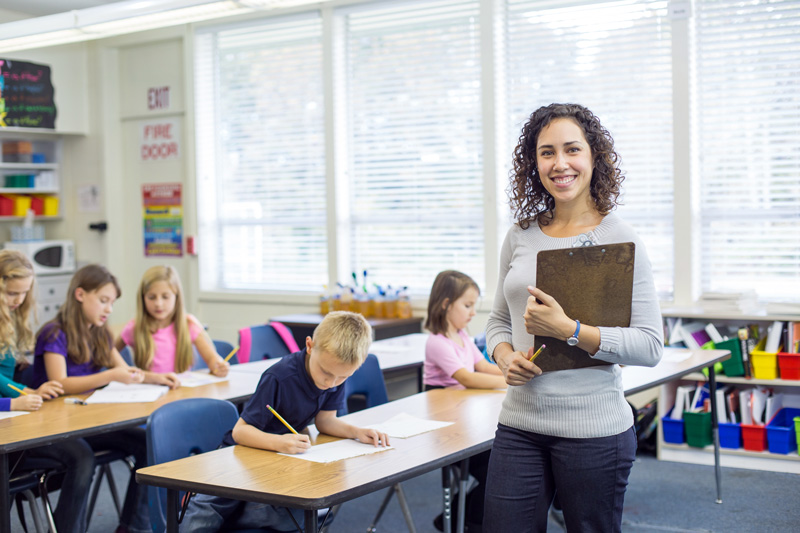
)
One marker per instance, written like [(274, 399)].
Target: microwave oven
[(47, 257)]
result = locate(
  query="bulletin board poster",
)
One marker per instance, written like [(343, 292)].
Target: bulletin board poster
[(26, 95), (163, 219)]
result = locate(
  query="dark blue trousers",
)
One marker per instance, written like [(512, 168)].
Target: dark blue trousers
[(526, 469)]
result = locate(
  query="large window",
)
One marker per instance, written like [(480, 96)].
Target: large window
[(614, 58), (261, 156), (359, 137), (414, 152), (747, 92)]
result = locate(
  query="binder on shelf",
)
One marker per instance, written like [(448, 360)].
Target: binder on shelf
[(593, 284)]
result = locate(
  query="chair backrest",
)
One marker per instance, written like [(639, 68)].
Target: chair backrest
[(263, 342), (368, 383), (127, 355), (180, 429)]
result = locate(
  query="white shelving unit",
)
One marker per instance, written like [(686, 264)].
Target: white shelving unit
[(47, 142), (737, 458)]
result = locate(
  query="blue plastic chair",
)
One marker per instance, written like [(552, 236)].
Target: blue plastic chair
[(127, 355), (173, 432), (223, 348), (367, 383), (265, 343)]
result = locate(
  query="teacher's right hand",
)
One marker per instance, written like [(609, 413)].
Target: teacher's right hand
[(516, 367)]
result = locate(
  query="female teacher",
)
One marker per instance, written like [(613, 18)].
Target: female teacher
[(568, 430)]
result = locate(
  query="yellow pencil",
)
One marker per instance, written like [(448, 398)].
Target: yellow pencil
[(285, 423), (230, 354), (17, 389), (534, 356)]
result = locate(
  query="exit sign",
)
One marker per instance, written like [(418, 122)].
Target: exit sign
[(158, 98)]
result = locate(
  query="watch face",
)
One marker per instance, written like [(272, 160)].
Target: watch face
[(572, 341)]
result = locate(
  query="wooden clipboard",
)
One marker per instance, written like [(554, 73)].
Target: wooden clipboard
[(593, 284)]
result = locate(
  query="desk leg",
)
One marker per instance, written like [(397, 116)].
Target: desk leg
[(172, 511), (5, 497), (311, 521), (447, 498), (462, 495), (712, 382)]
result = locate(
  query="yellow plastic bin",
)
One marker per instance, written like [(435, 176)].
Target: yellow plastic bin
[(49, 205), (765, 364), (22, 204)]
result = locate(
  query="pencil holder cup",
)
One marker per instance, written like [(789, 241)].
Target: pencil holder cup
[(698, 429)]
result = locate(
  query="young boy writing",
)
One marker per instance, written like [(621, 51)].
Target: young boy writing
[(302, 387)]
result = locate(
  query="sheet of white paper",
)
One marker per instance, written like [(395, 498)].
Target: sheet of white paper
[(117, 392), (338, 450), (197, 378), (404, 425), (11, 414)]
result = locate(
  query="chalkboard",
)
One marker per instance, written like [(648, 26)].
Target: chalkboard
[(26, 95)]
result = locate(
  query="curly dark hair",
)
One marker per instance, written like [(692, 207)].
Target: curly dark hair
[(528, 197)]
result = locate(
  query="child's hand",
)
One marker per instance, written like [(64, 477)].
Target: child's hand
[(221, 369), (31, 402), (368, 435), (127, 375), (50, 389), (291, 443), (169, 379)]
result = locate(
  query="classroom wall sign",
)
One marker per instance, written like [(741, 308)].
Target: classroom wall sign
[(163, 219), (159, 140), (26, 95)]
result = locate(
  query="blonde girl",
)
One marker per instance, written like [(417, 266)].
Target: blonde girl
[(16, 335), (162, 334)]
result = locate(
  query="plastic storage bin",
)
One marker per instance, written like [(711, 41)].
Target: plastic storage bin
[(797, 431), (789, 364), (730, 435), (673, 430), (765, 364), (733, 366), (754, 437), (698, 429), (781, 433)]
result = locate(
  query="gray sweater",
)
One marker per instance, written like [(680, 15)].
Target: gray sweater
[(585, 402)]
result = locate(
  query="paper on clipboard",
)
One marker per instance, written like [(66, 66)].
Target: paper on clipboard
[(593, 284)]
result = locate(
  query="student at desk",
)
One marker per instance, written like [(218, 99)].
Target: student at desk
[(569, 430), (162, 334), (76, 349), (453, 361), (302, 387)]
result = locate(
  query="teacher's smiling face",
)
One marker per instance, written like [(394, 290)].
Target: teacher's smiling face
[(564, 161)]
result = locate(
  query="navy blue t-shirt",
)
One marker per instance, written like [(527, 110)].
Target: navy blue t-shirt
[(287, 388)]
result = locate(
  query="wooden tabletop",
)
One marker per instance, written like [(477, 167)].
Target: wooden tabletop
[(244, 473), (57, 420)]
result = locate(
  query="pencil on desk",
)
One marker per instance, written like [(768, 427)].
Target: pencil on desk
[(230, 354), (18, 389), (534, 356), (285, 423)]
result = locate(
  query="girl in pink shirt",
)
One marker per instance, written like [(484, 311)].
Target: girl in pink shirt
[(451, 357), (162, 334)]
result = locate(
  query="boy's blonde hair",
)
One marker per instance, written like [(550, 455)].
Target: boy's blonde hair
[(344, 334), (16, 334), (143, 345)]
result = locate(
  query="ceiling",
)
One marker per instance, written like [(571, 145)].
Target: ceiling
[(37, 8)]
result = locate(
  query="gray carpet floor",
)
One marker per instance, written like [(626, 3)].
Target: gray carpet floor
[(662, 497)]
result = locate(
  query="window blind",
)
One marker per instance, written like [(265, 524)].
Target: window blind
[(261, 155), (414, 147), (613, 57), (747, 92)]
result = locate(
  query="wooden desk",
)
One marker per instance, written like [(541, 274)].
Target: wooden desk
[(398, 354), (254, 475), (637, 378), (57, 421), (302, 326)]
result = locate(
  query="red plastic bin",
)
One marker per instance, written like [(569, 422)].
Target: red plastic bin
[(789, 364), (754, 437)]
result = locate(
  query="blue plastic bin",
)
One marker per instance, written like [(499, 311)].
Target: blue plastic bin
[(781, 434), (673, 430), (730, 435)]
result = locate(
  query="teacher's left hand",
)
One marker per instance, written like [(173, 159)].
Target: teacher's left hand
[(546, 318)]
